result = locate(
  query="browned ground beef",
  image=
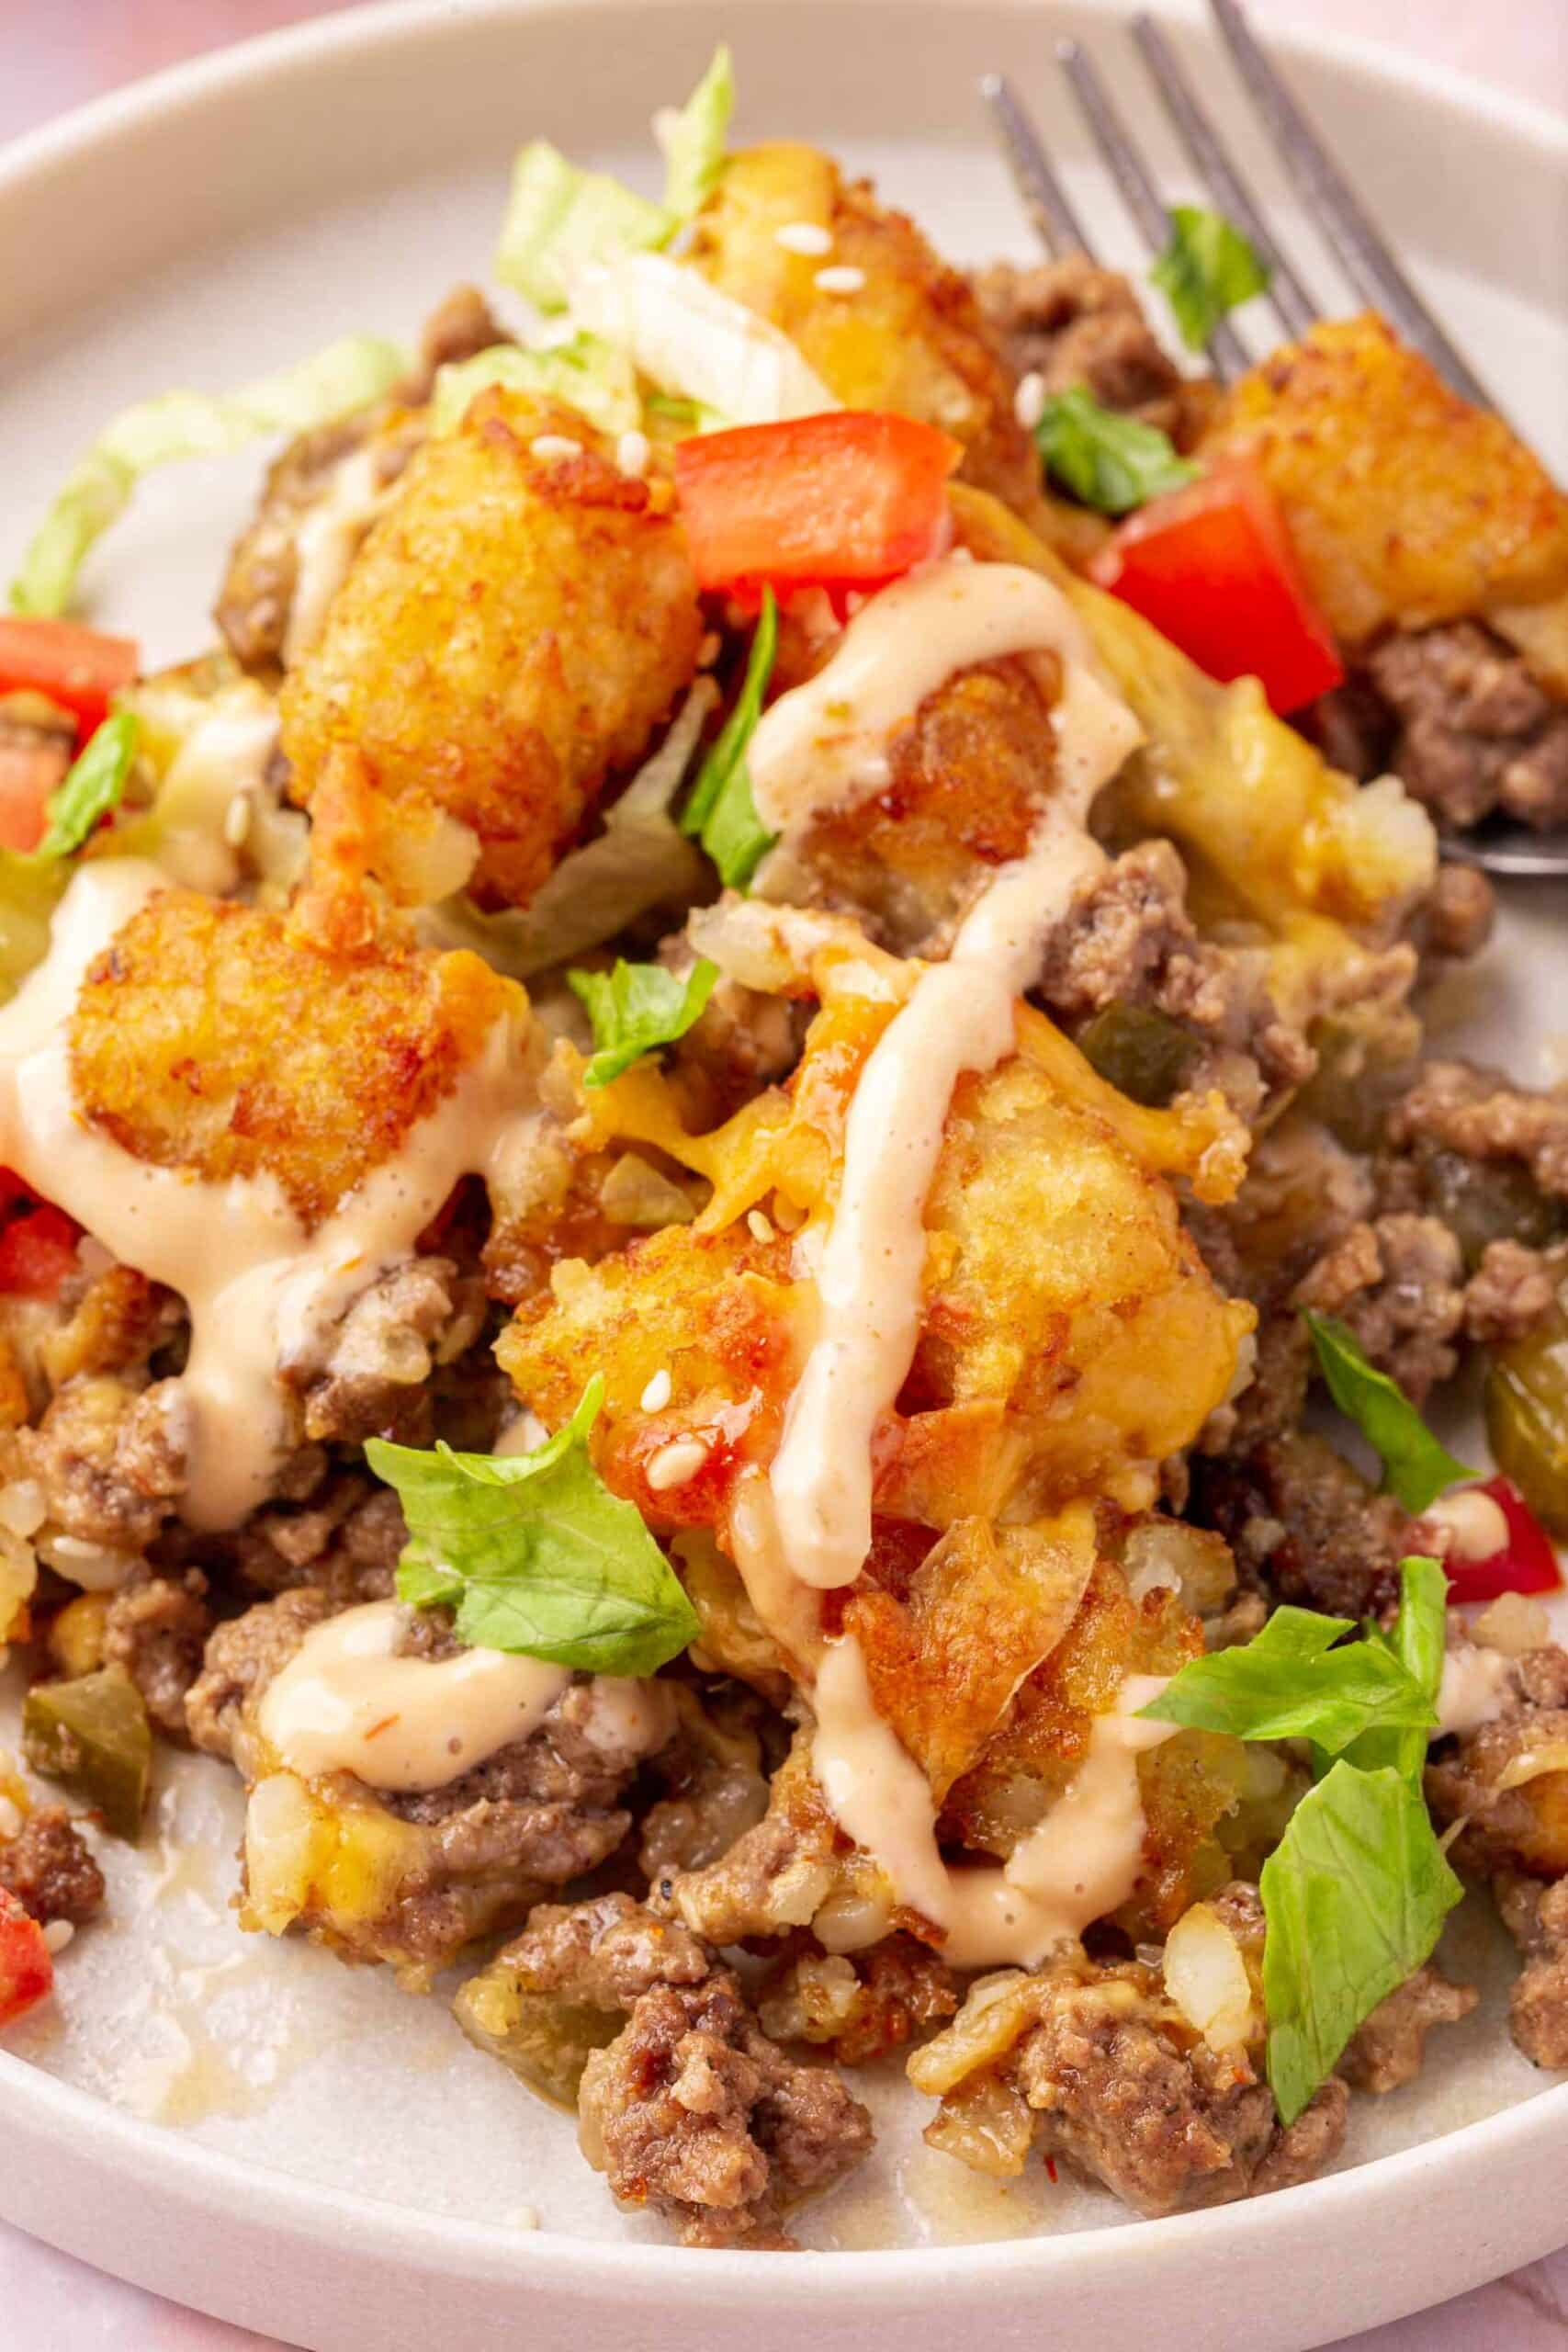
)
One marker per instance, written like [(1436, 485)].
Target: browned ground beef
[(1535, 1914), (862, 2005), (375, 1380), (605, 1951), (1128, 939), (1503, 1827), (49, 1870), (109, 1457), (1386, 2052), (1397, 1283), (1158, 2117), (1508, 1293), (1073, 323), (693, 2112), (1470, 731), (345, 1541), (1482, 1114), (156, 1627), (1304, 1525), (1456, 919), (535, 1814)]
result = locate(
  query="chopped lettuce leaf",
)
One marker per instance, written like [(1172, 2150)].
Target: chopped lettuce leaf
[(92, 788), (721, 813), (1420, 1642), (560, 218), (640, 860), (692, 138), (691, 340), (1207, 269), (586, 373), (346, 376), (1355, 1895), (535, 1554), (1298, 1679), (1416, 1467), (1113, 463), (637, 1007)]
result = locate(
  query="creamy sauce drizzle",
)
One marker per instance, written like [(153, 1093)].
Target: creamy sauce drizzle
[(347, 1702), (958, 1017), (326, 543), (1081, 1861), (261, 1291), (823, 746)]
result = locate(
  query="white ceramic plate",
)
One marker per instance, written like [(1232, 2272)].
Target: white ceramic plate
[(346, 2173)]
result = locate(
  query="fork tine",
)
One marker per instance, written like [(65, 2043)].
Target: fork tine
[(1292, 304), (1045, 198), (1329, 200), (1227, 351)]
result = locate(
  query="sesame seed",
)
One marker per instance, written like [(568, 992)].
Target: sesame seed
[(58, 1934), (632, 452), (655, 1396), (675, 1463), (804, 237), (1029, 401), (237, 820), (555, 445), (841, 279), (757, 1226)]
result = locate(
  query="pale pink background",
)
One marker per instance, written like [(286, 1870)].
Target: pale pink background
[(53, 53)]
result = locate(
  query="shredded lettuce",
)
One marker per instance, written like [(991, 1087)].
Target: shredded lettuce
[(640, 860), (92, 788), (637, 1007), (693, 136), (591, 376), (535, 1554), (721, 812), (1298, 1679), (560, 219), (690, 339), (1112, 462), (1207, 269), (346, 376), (1416, 1467)]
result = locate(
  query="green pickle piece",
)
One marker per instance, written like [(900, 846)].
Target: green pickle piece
[(92, 1735), (545, 2040), (1527, 1416), (1488, 1201), (1144, 1053)]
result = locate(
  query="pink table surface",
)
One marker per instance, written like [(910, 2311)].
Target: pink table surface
[(54, 56)]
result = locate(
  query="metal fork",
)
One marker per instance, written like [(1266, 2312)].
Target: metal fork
[(1328, 198)]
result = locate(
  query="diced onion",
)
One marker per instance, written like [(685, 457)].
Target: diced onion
[(1206, 1976)]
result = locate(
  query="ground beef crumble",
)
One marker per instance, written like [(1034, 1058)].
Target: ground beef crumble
[(1387, 2050), (156, 1627), (1535, 1912), (1468, 729), (1071, 322), (49, 1868), (693, 2111)]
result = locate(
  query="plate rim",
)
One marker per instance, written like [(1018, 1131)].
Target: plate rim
[(168, 2161)]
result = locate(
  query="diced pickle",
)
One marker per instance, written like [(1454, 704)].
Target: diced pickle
[(544, 2039), (92, 1735), (1144, 1053), (1486, 1201), (1527, 1416)]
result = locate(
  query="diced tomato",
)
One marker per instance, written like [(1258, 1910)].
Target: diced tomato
[(1212, 566), (848, 500), (36, 1252), (1526, 1563), (26, 1972), (78, 669)]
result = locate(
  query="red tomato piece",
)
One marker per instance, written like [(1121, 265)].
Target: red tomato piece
[(848, 500), (78, 669), (1526, 1563), (36, 1252), (26, 1972), (1212, 566)]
